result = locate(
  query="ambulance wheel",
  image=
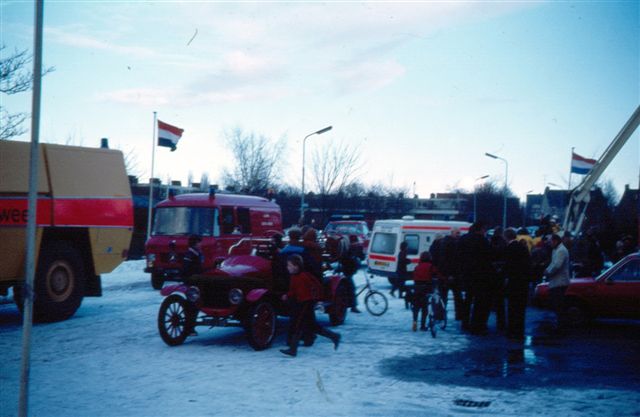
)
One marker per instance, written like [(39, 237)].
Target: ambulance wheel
[(58, 286), (157, 281)]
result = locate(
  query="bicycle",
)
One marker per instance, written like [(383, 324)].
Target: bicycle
[(375, 302), (436, 311)]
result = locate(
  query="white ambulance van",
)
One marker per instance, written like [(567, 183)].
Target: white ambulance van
[(387, 235)]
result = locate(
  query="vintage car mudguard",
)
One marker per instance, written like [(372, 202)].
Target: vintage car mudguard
[(255, 294), (245, 266), (334, 281), (171, 289)]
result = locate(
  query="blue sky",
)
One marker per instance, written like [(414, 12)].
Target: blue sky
[(424, 88)]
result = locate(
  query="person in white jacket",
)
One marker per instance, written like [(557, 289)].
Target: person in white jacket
[(558, 276)]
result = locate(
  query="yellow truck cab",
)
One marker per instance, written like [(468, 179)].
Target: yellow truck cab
[(84, 223)]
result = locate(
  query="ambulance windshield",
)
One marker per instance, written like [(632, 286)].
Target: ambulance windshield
[(384, 243)]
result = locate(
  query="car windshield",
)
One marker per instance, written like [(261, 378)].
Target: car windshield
[(384, 243), (171, 221), (345, 229)]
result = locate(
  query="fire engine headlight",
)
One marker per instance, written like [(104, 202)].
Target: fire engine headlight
[(193, 294), (151, 259), (236, 296)]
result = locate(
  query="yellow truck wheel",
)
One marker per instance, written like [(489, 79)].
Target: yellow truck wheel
[(59, 283)]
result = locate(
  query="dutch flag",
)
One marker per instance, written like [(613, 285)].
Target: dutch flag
[(168, 135), (581, 165)]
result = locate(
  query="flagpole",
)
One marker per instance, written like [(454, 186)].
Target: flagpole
[(153, 158), (570, 166)]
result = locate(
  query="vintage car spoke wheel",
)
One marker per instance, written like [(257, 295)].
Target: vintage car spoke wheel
[(175, 320), (261, 328), (341, 302), (376, 303)]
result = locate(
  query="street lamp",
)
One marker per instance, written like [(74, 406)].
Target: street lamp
[(506, 175), (475, 196), (304, 143)]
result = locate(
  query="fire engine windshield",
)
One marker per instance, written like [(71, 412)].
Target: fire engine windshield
[(201, 221), (384, 243)]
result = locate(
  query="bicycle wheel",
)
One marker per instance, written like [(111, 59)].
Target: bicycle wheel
[(376, 303), (443, 322), (431, 321)]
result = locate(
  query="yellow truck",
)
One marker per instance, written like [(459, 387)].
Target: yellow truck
[(84, 223)]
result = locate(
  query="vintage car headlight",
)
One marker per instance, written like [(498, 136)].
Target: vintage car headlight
[(151, 259), (193, 294), (319, 307), (236, 296)]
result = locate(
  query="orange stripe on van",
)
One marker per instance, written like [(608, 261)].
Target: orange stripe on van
[(382, 257)]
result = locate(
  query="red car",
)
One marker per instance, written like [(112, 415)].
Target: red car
[(357, 231), (613, 294)]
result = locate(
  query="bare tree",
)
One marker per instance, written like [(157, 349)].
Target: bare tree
[(257, 159), (204, 181), (131, 163), (335, 167), (14, 78)]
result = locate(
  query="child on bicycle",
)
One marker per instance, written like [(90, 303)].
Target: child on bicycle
[(423, 276)]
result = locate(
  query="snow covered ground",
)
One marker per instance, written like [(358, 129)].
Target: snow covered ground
[(108, 360)]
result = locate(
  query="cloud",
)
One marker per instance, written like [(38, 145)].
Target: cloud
[(68, 36), (368, 76)]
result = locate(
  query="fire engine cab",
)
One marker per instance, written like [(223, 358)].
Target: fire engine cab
[(384, 246), (221, 220)]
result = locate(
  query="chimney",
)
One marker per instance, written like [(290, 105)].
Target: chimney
[(104, 143)]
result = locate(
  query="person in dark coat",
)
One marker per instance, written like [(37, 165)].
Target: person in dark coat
[(401, 270), (478, 270), (517, 269), (450, 270), (348, 264), (192, 260), (498, 245), (304, 291)]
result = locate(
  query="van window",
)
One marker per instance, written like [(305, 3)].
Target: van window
[(171, 221), (244, 219), (413, 243), (226, 220), (384, 243)]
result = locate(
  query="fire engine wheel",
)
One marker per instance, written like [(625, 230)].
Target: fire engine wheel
[(58, 286), (341, 303), (261, 325), (175, 320), (157, 281)]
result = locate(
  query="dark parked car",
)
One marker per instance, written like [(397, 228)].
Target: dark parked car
[(613, 294), (356, 231)]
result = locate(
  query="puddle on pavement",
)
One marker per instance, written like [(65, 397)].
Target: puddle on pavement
[(539, 362)]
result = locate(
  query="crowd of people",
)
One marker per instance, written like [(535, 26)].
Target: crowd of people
[(484, 273)]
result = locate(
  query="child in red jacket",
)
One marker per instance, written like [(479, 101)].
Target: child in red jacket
[(423, 279), (304, 291)]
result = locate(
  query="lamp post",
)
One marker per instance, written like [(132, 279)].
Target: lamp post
[(506, 175), (304, 143), (475, 193)]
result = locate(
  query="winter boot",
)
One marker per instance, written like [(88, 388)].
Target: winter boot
[(414, 326)]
